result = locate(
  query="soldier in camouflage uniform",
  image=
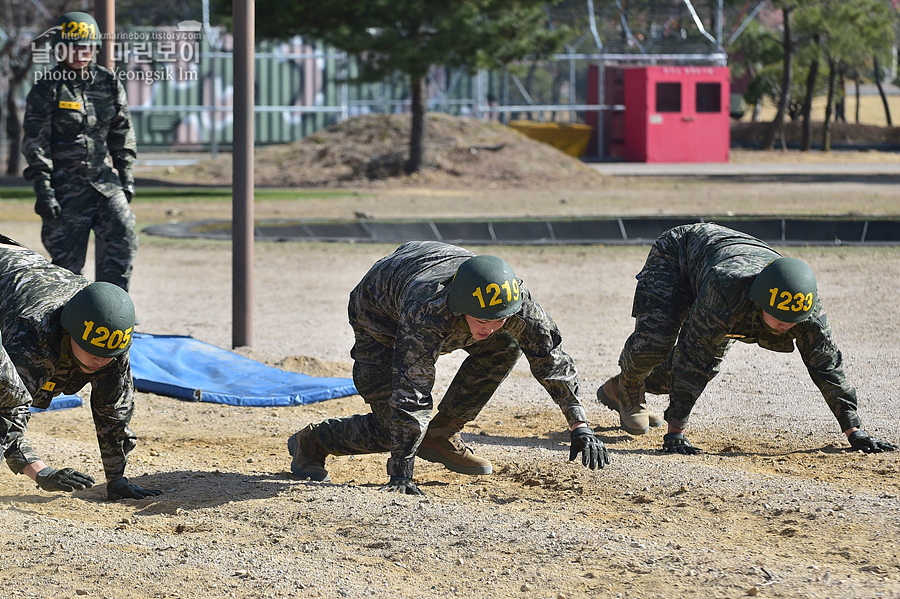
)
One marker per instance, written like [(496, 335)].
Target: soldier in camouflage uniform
[(61, 332), (75, 116), (424, 300), (702, 288)]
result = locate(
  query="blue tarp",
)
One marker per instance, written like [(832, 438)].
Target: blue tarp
[(61, 402), (185, 368), (182, 367)]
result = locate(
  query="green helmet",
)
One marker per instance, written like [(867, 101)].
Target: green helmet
[(100, 319), (77, 28), (785, 289), (485, 287)]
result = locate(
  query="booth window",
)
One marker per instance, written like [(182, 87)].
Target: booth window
[(709, 97), (668, 97)]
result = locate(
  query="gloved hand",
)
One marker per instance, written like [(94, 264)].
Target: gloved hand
[(46, 205), (67, 479), (403, 485), (122, 489), (678, 443), (866, 444), (593, 452), (127, 180)]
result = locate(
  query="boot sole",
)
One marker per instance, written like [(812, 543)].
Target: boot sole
[(614, 406), (431, 455), (316, 474), (292, 444)]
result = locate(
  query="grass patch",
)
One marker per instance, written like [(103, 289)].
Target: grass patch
[(204, 194), (16, 193), (193, 194)]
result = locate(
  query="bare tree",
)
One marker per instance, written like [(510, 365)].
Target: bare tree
[(878, 76), (787, 82), (23, 22)]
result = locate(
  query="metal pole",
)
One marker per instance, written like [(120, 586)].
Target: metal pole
[(214, 115), (106, 19), (242, 167), (601, 73), (720, 14)]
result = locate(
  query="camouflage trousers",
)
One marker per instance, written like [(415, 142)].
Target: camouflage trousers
[(662, 300), (489, 362), (14, 415), (113, 223)]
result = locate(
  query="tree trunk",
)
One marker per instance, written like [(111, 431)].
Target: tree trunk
[(757, 110), (826, 126), (787, 81), (560, 78), (417, 129), (807, 105), (18, 72), (13, 128), (856, 86), (884, 101), (529, 80), (2, 103)]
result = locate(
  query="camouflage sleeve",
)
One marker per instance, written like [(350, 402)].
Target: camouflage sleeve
[(112, 405), (696, 359), (14, 414), (824, 362), (541, 342), (416, 350), (121, 141), (37, 130)]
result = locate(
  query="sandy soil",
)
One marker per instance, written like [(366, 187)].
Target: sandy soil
[(776, 507)]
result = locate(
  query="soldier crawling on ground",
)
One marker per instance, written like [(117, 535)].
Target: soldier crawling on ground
[(60, 332), (424, 300), (702, 288)]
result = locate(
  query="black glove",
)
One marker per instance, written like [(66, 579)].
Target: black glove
[(399, 484), (46, 205), (866, 444), (122, 489), (127, 180), (678, 443), (593, 452), (67, 479)]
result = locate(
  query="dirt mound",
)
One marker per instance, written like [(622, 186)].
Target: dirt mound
[(372, 149)]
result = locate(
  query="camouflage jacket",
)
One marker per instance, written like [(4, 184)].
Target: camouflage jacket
[(720, 264), (402, 303), (37, 361), (70, 127)]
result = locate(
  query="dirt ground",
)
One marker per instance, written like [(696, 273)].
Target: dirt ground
[(776, 507)]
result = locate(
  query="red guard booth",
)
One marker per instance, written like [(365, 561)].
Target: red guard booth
[(672, 113)]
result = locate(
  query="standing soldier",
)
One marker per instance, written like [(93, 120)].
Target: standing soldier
[(424, 300), (61, 332), (702, 288), (75, 116)]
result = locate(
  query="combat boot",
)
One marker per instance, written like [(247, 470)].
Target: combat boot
[(630, 403), (657, 383), (309, 456), (443, 445)]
